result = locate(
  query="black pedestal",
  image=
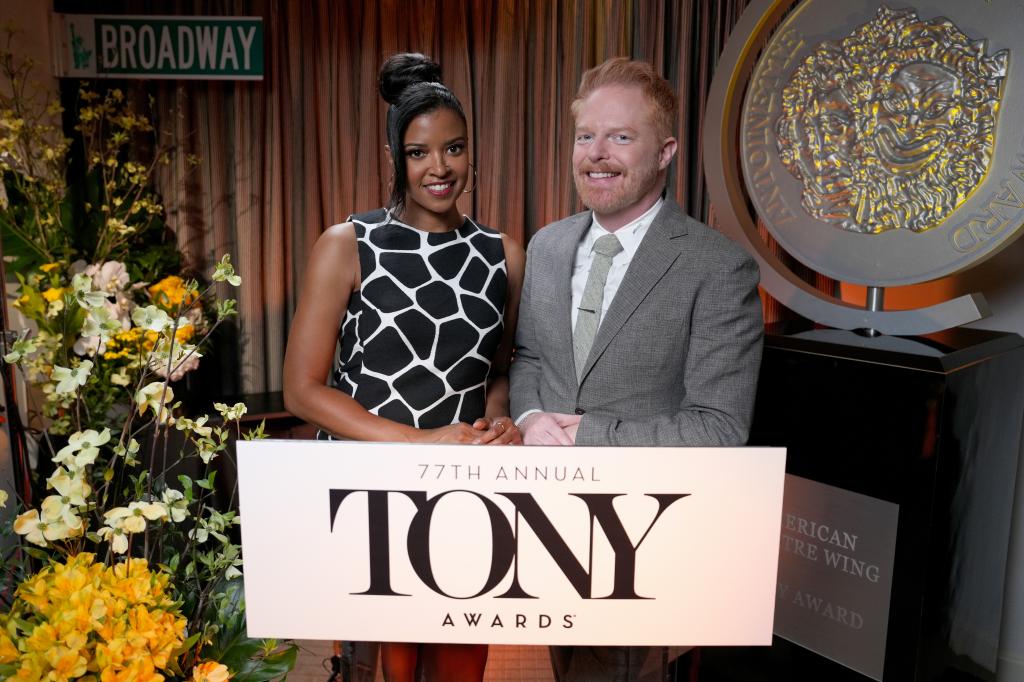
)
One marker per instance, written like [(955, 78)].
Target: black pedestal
[(932, 425)]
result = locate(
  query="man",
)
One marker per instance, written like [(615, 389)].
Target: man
[(638, 325)]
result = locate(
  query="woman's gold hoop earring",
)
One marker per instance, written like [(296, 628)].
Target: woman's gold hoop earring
[(467, 191)]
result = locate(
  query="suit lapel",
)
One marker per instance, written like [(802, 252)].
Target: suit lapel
[(657, 252)]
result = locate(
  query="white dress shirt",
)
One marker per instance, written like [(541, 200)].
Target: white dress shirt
[(630, 236)]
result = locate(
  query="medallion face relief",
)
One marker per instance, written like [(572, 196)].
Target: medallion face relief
[(893, 127), (886, 146)]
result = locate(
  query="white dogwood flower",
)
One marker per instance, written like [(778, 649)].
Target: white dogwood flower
[(116, 537), (225, 272), (82, 448), (57, 509), (196, 426), (151, 396), (132, 519), (69, 379), (176, 505), (86, 297), (20, 349), (152, 318), (232, 413), (99, 322)]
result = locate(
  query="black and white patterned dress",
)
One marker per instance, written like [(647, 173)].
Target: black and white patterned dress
[(419, 335)]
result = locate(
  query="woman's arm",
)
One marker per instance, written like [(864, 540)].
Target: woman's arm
[(500, 429), (332, 274)]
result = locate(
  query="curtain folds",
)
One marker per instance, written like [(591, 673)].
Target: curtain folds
[(286, 157)]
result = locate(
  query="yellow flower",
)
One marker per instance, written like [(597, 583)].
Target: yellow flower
[(127, 337), (8, 652), (210, 671), (184, 334), (3, 498), (170, 292), (53, 293), (66, 663), (47, 267), (82, 618)]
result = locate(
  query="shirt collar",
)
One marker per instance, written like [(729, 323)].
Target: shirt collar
[(630, 235)]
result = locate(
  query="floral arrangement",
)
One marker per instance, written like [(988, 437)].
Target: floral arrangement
[(96, 329), (127, 568)]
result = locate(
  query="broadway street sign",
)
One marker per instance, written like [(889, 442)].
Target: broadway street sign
[(186, 47)]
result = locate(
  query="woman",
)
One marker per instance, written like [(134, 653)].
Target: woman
[(426, 300)]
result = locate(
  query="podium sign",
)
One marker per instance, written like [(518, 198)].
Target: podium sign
[(510, 545)]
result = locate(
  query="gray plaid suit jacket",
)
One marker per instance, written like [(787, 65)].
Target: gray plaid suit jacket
[(675, 361)]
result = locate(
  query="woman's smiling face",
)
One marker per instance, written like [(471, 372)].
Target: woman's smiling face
[(436, 167)]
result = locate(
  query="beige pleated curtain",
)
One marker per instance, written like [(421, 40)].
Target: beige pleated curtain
[(301, 150)]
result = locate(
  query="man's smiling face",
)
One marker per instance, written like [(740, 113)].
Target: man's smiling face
[(618, 157)]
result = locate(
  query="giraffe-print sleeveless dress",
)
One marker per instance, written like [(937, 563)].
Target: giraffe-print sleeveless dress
[(419, 335)]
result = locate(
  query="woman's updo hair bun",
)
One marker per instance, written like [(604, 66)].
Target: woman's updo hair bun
[(411, 83), (405, 69)]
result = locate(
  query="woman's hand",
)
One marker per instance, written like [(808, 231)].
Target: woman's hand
[(498, 431), (454, 433)]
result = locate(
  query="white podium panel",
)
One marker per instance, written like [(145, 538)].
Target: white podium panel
[(510, 545)]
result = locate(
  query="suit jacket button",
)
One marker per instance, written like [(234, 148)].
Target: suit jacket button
[(580, 410)]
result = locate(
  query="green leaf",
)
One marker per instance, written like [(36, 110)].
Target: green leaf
[(174, 664), (36, 553), (240, 650), (268, 668), (35, 306), (187, 644), (257, 433)]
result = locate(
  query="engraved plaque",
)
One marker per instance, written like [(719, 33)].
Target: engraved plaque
[(836, 556)]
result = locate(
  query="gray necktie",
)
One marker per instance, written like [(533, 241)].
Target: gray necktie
[(589, 317)]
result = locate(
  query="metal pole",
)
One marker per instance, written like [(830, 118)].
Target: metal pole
[(876, 297), (875, 302)]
